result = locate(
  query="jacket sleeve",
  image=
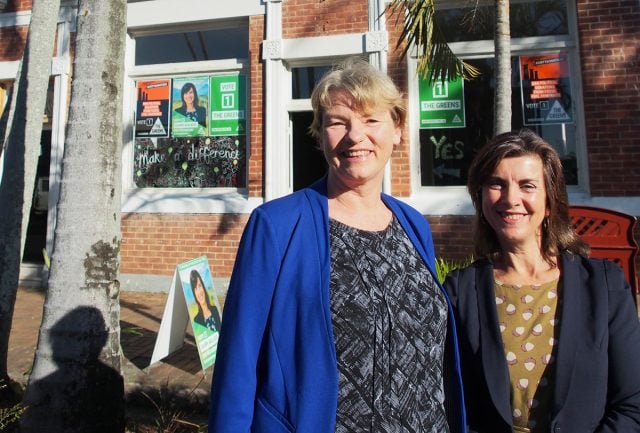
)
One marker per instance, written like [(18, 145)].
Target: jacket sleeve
[(244, 319), (622, 413)]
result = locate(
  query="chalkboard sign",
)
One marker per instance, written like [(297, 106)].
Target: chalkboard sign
[(190, 162)]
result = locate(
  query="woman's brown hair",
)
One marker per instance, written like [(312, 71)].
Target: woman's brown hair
[(557, 232)]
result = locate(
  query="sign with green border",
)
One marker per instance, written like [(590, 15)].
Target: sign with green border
[(441, 104), (228, 101)]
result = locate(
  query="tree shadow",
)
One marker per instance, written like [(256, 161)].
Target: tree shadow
[(83, 394)]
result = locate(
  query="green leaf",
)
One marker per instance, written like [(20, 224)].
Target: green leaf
[(436, 61), (444, 266)]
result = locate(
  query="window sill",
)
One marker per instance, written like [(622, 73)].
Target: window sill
[(188, 201)]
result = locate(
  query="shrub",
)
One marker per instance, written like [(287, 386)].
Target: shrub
[(444, 266), (10, 415)]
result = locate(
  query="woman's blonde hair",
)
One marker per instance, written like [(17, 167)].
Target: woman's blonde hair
[(370, 89)]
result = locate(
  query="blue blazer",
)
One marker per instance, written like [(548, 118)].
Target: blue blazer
[(276, 368), (597, 386)]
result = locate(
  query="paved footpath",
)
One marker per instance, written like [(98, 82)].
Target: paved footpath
[(140, 316)]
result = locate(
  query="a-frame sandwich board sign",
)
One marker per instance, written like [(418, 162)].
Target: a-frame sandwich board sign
[(191, 298)]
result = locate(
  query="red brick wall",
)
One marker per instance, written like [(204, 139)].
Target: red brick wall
[(306, 18), (609, 33), (452, 236), (155, 244), (17, 5), (397, 70), (12, 42), (255, 165)]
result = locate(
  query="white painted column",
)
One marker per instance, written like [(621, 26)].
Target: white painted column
[(277, 165), (378, 24), (60, 69)]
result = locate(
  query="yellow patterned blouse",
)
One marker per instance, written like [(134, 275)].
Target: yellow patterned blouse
[(528, 320)]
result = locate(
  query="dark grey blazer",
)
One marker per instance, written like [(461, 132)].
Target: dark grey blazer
[(597, 386)]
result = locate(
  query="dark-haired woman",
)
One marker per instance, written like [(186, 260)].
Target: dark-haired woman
[(190, 107), (549, 339), (208, 315)]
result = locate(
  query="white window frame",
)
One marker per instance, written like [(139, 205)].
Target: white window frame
[(300, 52), (141, 22), (454, 200)]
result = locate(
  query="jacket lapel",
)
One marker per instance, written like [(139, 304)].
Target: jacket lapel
[(570, 331), (493, 358)]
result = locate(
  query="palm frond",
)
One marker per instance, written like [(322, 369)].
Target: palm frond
[(420, 29)]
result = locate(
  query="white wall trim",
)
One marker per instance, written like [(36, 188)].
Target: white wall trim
[(191, 200), (23, 18), (9, 70), (14, 19), (166, 12), (324, 46)]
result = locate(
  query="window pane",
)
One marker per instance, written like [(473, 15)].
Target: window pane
[(216, 44), (533, 18), (201, 162), (445, 154), (305, 79)]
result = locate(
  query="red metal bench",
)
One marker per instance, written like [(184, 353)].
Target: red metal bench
[(611, 236)]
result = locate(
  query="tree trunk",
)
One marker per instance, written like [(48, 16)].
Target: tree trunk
[(22, 148), (76, 384), (502, 101)]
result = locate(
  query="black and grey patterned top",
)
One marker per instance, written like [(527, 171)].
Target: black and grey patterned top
[(389, 322)]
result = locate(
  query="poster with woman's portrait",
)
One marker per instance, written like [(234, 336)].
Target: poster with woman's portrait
[(204, 309), (190, 102)]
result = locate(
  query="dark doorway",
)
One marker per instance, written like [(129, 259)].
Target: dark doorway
[(308, 162), (37, 229)]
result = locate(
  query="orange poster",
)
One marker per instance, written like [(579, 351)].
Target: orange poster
[(152, 108), (546, 89)]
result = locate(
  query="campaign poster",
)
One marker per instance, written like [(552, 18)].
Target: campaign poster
[(228, 105), (203, 306), (546, 89), (190, 107), (152, 108), (441, 103)]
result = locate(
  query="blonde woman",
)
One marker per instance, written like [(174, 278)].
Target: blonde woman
[(334, 320)]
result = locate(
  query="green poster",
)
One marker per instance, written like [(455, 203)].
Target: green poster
[(204, 309), (442, 104), (228, 105)]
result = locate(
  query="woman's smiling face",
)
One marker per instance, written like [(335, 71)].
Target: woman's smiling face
[(514, 201), (188, 97), (357, 145)]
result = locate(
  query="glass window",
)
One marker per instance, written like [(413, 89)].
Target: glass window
[(304, 80), (190, 131), (528, 18), (445, 154), (190, 127), (217, 44), (199, 162), (544, 76)]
